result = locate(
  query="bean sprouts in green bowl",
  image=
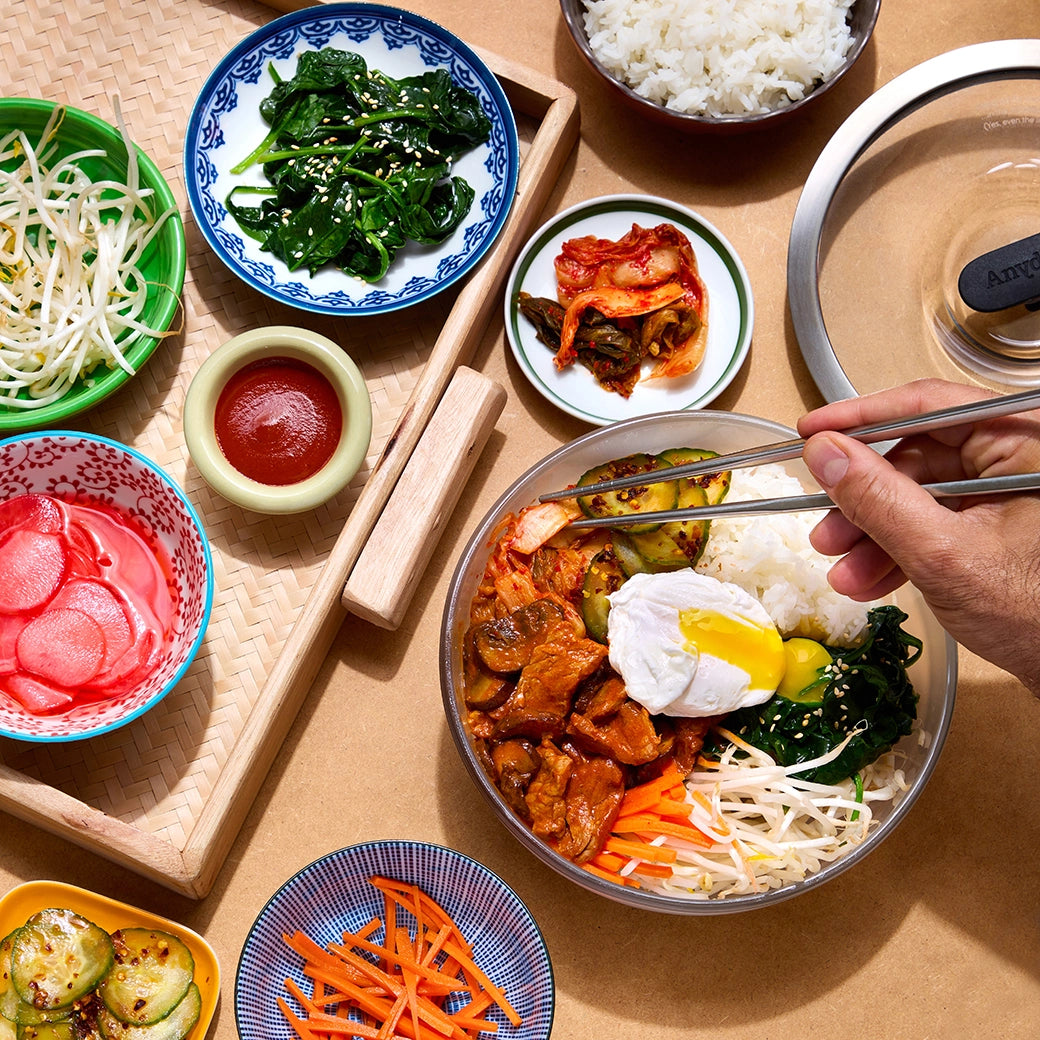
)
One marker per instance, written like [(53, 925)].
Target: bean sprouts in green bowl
[(92, 260)]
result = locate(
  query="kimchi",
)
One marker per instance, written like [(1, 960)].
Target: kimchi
[(622, 303)]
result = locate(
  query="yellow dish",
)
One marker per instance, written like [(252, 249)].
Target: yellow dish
[(26, 899)]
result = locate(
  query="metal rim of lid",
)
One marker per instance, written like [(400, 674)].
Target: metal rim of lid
[(906, 93)]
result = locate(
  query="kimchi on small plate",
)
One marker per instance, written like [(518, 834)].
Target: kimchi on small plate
[(574, 388)]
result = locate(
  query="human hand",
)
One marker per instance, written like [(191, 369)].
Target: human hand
[(976, 562)]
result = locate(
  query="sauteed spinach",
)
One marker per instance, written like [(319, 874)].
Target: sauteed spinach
[(359, 164), (866, 692)]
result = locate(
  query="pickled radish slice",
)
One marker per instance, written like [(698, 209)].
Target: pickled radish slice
[(83, 551), (130, 667), (38, 697), (87, 604), (10, 627), (32, 567), (63, 645), (99, 602), (39, 512)]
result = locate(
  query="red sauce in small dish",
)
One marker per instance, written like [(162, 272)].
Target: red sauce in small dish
[(278, 421)]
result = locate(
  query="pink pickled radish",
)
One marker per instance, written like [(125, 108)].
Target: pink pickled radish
[(65, 646), (32, 568)]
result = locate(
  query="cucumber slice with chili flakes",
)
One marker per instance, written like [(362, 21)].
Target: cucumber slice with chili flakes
[(644, 498), (603, 576), (676, 544), (62, 1029), (652, 496), (655, 546), (57, 957), (715, 485), (175, 1026), (153, 972)]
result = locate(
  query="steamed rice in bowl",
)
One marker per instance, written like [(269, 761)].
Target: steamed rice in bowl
[(771, 558), (718, 58), (802, 857)]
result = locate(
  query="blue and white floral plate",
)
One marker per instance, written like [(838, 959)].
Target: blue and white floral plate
[(574, 389), (334, 894), (226, 125)]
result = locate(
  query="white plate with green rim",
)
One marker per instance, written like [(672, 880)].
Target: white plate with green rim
[(574, 389)]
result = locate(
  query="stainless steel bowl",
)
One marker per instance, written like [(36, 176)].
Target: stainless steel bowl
[(934, 676), (862, 19)]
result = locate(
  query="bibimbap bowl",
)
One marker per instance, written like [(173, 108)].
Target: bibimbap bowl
[(932, 674)]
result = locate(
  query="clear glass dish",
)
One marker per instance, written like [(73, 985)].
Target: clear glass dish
[(938, 169)]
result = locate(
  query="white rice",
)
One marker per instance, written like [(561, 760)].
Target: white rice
[(720, 57), (771, 558)]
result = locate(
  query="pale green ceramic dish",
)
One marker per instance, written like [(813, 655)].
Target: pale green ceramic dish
[(272, 342)]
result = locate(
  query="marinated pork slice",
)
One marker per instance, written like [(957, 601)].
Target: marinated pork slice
[(599, 700), (544, 799), (505, 645), (593, 798), (689, 739), (629, 735), (545, 691)]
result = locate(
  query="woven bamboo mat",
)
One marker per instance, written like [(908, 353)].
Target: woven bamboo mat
[(158, 772)]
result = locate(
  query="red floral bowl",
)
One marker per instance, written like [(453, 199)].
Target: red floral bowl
[(82, 470)]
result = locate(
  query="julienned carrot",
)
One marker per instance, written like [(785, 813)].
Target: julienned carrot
[(474, 971), (396, 988), (647, 794), (639, 850), (315, 1025), (414, 899), (655, 809), (652, 825), (610, 875), (433, 977), (612, 862)]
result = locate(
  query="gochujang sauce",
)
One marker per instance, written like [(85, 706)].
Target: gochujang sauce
[(278, 421)]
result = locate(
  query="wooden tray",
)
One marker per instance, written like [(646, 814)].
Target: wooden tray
[(166, 795)]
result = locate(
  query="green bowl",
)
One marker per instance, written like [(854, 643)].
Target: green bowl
[(162, 266)]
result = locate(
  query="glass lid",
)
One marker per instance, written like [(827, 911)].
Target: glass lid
[(915, 246)]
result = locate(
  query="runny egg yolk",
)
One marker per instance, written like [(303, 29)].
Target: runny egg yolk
[(759, 651), (805, 661)]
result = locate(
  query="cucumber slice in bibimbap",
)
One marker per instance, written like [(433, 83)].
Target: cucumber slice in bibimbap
[(716, 485), (603, 576), (644, 498), (62, 1029)]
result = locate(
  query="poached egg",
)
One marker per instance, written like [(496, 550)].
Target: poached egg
[(687, 644)]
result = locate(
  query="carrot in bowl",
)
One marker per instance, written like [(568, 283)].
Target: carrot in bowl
[(396, 986)]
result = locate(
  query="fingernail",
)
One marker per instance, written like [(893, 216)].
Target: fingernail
[(826, 461)]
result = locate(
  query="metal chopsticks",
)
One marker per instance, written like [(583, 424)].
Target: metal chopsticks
[(808, 503), (990, 408)]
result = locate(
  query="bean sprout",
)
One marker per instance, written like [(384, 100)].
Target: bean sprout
[(72, 291), (769, 827)]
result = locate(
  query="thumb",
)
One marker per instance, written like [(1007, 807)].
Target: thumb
[(885, 504)]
